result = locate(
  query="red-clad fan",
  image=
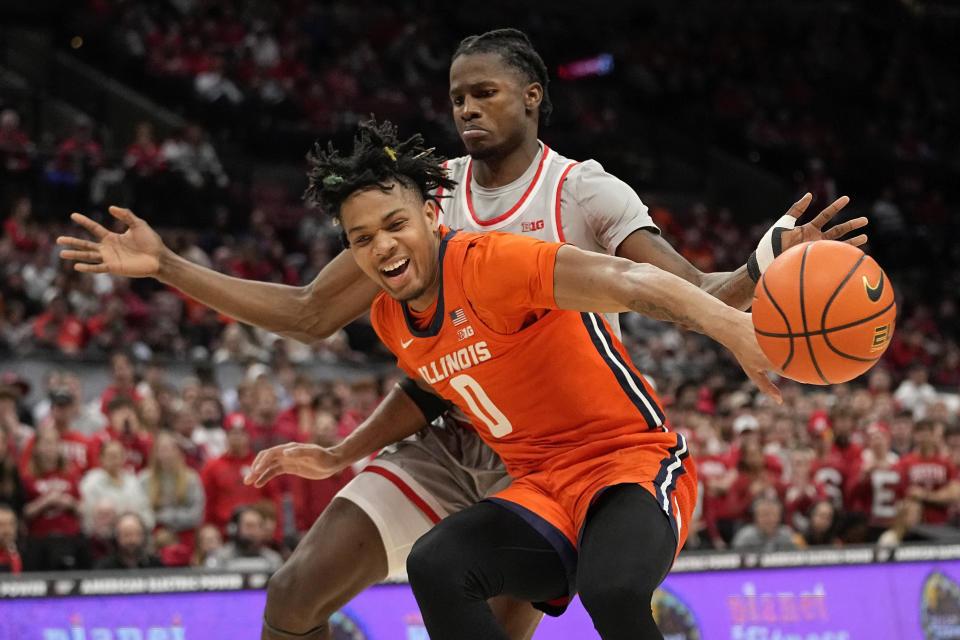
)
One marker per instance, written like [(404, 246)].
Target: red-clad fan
[(74, 445), (829, 468), (52, 509), (223, 479), (10, 561), (746, 431), (875, 484), (928, 475), (715, 474), (754, 479), (311, 497), (297, 422), (123, 424), (801, 491), (124, 381), (843, 424)]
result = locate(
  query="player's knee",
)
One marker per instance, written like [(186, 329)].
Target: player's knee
[(430, 561), (288, 601), (613, 597)]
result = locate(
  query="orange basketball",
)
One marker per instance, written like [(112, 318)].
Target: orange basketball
[(824, 312)]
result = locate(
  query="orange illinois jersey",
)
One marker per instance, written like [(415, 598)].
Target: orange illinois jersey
[(544, 387)]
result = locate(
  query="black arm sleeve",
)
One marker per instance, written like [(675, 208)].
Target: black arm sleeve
[(432, 406)]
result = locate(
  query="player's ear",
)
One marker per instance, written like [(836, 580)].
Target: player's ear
[(432, 213), (533, 96)]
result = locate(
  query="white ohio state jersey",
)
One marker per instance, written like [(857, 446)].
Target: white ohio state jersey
[(556, 199)]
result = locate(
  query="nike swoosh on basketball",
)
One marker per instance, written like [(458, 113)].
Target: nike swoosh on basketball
[(876, 290), (406, 343)]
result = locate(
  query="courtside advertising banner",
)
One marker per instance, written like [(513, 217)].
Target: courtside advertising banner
[(876, 601)]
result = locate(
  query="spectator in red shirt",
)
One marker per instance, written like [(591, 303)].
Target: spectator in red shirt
[(297, 422), (801, 491), (843, 423), (10, 561), (928, 475), (123, 424), (18, 226), (875, 483), (74, 445), (144, 158), (52, 509), (11, 483), (16, 148), (364, 398), (311, 497), (124, 380), (223, 479), (58, 329), (78, 155), (901, 432), (754, 480)]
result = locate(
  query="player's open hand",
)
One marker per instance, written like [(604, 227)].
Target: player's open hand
[(305, 460), (135, 253), (813, 230), (742, 341)]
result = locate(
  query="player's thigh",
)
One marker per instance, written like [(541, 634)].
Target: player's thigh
[(628, 543)]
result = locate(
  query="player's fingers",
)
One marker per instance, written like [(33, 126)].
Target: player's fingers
[(857, 240), (92, 226), (91, 268), (80, 256), (827, 214), (765, 385), (844, 228), (800, 206), (269, 474), (77, 243), (123, 215)]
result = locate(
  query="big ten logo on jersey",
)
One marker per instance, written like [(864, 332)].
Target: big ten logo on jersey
[(536, 225), (463, 334)]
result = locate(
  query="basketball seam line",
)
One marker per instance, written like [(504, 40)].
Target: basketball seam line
[(786, 321), (803, 316), (836, 292), (820, 332)]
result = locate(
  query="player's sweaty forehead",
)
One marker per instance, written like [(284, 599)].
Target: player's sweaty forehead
[(473, 71), (375, 206)]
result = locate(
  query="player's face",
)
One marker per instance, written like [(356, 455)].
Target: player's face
[(393, 237), (494, 107)]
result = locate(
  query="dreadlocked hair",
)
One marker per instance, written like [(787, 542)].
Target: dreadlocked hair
[(517, 51), (379, 158)]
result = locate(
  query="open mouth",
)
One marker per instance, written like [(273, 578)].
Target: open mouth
[(396, 268)]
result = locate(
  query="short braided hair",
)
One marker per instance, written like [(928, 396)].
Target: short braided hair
[(379, 157), (517, 51)]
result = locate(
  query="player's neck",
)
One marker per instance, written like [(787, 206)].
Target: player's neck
[(491, 173)]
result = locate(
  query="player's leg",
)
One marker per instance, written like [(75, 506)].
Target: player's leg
[(339, 557), (471, 556), (626, 549)]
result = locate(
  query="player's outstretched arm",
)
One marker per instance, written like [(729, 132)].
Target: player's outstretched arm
[(736, 287), (397, 417), (338, 295), (586, 281)]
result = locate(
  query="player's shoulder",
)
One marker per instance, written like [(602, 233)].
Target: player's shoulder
[(456, 167)]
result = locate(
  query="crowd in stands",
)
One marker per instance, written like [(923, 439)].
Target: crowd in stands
[(149, 474)]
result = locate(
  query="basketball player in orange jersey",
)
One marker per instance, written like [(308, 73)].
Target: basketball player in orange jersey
[(506, 328), (499, 96)]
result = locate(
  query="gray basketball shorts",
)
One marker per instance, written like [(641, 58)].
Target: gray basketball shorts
[(412, 485)]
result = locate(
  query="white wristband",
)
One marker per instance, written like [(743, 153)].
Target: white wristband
[(769, 247)]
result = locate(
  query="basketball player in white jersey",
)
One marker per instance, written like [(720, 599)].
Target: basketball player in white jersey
[(510, 182)]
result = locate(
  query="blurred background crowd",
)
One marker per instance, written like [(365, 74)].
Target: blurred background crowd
[(719, 117)]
